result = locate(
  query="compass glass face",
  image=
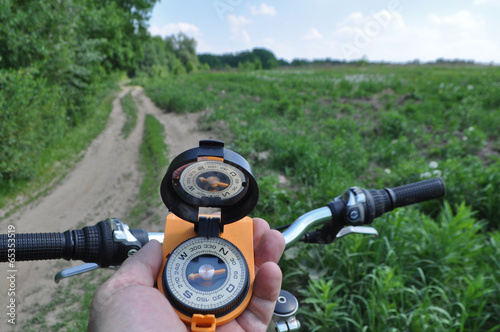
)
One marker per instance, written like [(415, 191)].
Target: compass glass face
[(206, 272), (206, 276), (210, 183)]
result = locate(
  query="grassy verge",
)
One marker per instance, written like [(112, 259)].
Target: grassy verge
[(59, 157), (130, 109), (153, 163), (310, 134)]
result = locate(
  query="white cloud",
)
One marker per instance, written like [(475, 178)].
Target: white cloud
[(434, 18), (263, 9), (357, 34), (460, 35), (236, 25), (482, 2), (174, 28), (464, 20), (312, 34), (246, 37), (238, 21), (353, 19)]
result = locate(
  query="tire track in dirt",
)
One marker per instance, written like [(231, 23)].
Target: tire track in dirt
[(103, 184)]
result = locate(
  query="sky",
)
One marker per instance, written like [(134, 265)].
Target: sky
[(377, 30)]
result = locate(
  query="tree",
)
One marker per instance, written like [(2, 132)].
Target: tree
[(184, 49), (258, 58), (266, 57), (211, 60)]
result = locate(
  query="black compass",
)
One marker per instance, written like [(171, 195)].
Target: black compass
[(209, 176)]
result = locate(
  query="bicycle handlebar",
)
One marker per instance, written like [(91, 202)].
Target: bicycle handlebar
[(358, 206), (110, 242)]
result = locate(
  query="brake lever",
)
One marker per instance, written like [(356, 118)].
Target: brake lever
[(357, 230), (75, 270)]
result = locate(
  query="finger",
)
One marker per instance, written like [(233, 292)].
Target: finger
[(260, 226), (267, 286), (269, 248), (142, 268)]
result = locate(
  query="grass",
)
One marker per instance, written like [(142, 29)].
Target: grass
[(374, 126), (130, 109), (56, 160), (153, 163), (69, 307), (310, 134)]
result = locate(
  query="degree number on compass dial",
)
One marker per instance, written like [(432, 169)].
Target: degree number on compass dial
[(210, 183), (206, 276)]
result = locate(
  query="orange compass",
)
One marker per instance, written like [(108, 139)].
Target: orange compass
[(208, 264)]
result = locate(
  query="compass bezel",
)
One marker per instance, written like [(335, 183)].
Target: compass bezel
[(188, 208), (183, 253)]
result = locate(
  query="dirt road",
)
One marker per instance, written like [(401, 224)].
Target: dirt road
[(103, 184)]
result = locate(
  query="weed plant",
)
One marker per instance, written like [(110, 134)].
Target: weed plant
[(310, 134)]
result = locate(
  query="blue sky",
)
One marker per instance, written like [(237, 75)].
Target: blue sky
[(388, 30)]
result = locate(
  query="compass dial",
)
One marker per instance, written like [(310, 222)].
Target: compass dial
[(210, 183), (206, 276)]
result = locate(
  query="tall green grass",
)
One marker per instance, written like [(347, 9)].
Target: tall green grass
[(130, 109), (58, 156), (153, 164), (310, 134), (419, 275), (372, 126)]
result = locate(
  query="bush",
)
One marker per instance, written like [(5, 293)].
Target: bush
[(31, 118), (172, 96)]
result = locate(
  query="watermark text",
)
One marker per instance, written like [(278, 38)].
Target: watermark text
[(11, 274)]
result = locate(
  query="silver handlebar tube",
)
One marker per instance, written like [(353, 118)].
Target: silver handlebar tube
[(156, 236), (297, 229), (308, 221)]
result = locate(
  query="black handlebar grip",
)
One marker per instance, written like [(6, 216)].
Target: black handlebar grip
[(385, 200), (91, 244), (33, 246), (417, 192)]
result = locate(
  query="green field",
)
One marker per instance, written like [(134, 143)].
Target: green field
[(311, 133)]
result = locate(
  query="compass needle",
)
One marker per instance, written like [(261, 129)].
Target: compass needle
[(213, 182), (206, 274)]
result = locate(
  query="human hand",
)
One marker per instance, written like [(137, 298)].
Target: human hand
[(128, 300)]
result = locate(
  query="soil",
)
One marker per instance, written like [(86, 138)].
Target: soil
[(103, 184)]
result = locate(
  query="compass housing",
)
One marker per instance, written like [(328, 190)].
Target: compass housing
[(177, 232), (183, 194)]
